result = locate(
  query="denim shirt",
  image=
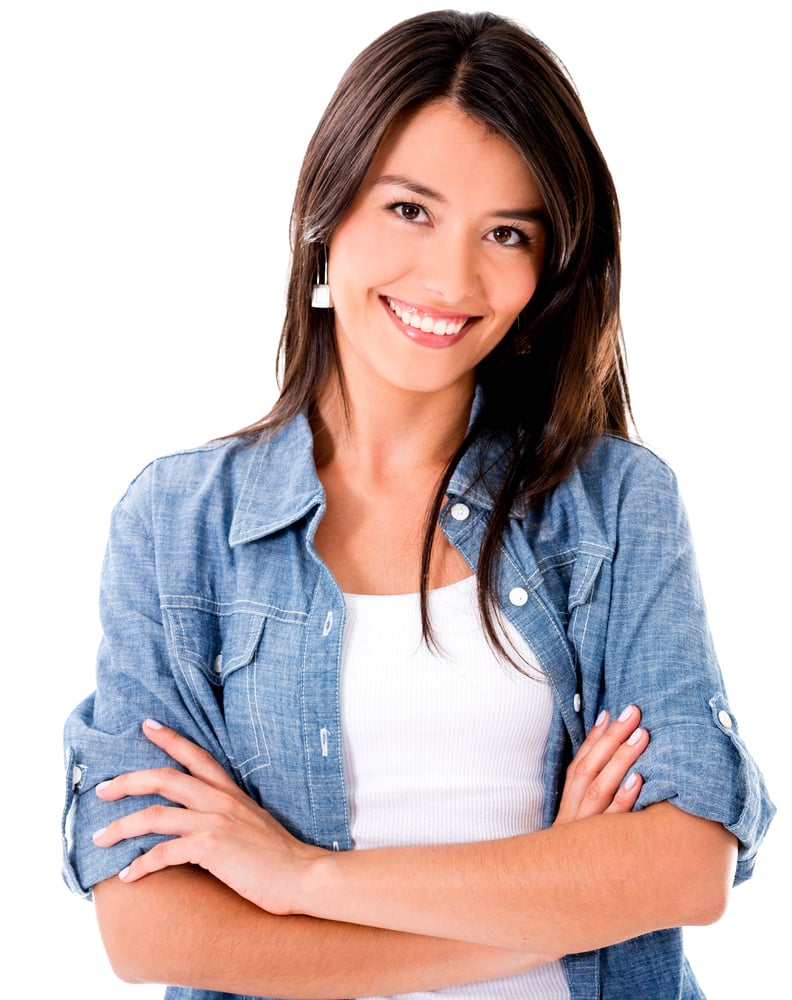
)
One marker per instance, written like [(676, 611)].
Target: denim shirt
[(221, 621)]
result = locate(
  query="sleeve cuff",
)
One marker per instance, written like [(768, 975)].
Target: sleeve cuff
[(706, 770), (84, 812)]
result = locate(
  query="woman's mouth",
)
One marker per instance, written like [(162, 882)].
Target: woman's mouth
[(435, 322)]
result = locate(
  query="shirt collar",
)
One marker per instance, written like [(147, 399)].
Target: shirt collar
[(281, 485)]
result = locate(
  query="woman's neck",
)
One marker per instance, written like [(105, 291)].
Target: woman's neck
[(391, 433), (381, 463)]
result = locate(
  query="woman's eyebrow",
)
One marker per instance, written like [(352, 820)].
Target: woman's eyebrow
[(399, 180), (537, 214)]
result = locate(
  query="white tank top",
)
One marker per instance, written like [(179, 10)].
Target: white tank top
[(443, 747)]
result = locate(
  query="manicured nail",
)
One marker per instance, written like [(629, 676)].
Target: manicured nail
[(102, 785), (124, 872), (627, 713), (630, 782), (601, 718), (634, 737), (152, 724), (99, 833)]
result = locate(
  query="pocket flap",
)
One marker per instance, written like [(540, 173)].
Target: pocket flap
[(585, 573), (215, 637)]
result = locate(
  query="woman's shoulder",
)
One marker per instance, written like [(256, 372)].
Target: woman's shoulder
[(615, 465), (619, 485), (219, 473), (188, 469)]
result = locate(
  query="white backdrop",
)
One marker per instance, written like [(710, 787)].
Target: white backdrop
[(149, 152)]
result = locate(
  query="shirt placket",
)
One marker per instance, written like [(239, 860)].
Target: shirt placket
[(321, 717)]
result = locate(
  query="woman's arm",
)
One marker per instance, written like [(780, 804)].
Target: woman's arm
[(578, 886), (595, 878), (575, 887), (155, 929), (182, 926)]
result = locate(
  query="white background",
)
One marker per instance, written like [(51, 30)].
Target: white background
[(149, 153)]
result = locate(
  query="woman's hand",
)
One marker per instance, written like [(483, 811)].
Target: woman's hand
[(594, 781), (220, 828), (224, 831)]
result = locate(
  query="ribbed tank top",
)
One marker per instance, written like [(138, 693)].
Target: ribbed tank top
[(443, 746)]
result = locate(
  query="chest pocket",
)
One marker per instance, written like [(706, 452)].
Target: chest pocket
[(217, 651)]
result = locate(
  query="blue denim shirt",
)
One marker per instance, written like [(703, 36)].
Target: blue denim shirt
[(220, 620)]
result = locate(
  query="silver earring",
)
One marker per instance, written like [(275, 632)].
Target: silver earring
[(320, 293)]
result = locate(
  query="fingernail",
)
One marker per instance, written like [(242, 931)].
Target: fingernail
[(626, 713), (601, 718), (152, 724), (634, 737), (102, 785), (124, 872), (99, 833), (630, 782)]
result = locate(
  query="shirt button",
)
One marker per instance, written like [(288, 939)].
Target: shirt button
[(725, 719), (576, 702), (518, 596), (460, 512), (328, 624), (217, 666)]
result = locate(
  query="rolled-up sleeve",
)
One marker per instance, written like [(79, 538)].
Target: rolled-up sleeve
[(135, 681), (659, 655)]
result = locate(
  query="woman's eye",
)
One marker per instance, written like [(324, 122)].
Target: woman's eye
[(506, 236), (408, 211)]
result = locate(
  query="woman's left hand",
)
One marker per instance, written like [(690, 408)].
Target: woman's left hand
[(220, 828), (595, 780)]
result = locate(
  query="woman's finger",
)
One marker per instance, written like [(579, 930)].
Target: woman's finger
[(625, 798), (594, 790), (199, 762), (603, 741), (604, 784), (599, 749), (176, 786), (594, 735), (166, 820), (166, 854), (601, 764)]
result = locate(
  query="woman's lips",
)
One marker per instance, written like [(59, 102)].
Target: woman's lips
[(434, 322)]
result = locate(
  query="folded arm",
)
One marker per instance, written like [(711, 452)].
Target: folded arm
[(423, 943), (183, 926), (575, 887), (597, 877)]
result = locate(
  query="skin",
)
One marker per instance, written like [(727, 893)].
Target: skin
[(434, 229), (154, 920), (448, 221)]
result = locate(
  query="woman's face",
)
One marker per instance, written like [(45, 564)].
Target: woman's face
[(439, 252)]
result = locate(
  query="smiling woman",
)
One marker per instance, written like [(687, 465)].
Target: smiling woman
[(429, 695), (454, 270)]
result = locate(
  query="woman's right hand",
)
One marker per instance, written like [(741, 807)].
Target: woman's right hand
[(595, 779)]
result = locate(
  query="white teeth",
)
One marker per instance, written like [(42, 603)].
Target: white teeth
[(420, 321)]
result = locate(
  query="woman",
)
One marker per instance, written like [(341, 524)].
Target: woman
[(387, 616)]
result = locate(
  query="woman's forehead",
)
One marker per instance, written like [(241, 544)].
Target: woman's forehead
[(441, 147)]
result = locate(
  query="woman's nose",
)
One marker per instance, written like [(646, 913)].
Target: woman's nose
[(449, 270)]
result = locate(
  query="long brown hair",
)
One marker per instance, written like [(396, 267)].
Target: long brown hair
[(556, 382)]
